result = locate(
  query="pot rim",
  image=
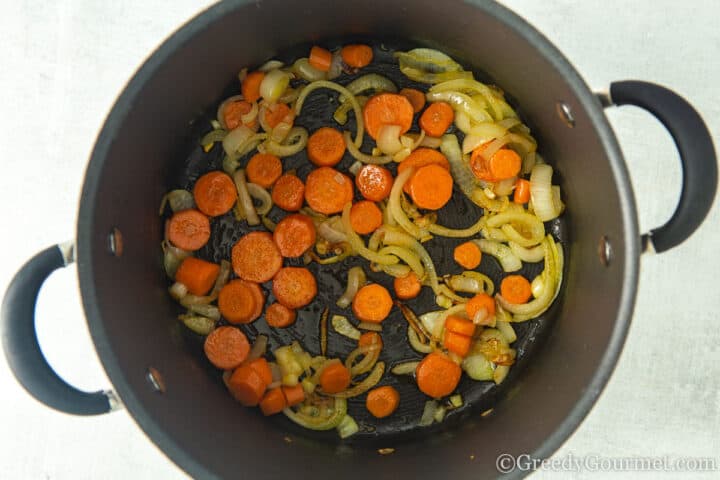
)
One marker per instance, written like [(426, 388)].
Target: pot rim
[(85, 236)]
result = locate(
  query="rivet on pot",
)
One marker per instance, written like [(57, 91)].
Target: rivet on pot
[(565, 114), (605, 251), (115, 242), (155, 380)]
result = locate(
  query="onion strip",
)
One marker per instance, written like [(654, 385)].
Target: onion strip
[(356, 279), (362, 387), (405, 368), (357, 244), (244, 198), (409, 257), (405, 240), (343, 91), (363, 157)]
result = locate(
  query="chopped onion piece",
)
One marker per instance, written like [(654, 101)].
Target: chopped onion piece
[(370, 326), (356, 279), (456, 401), (172, 257), (198, 324), (307, 72), (259, 347), (428, 415), (348, 426), (506, 330), (220, 115), (478, 367), (369, 382), (508, 260), (336, 66), (210, 311), (530, 255), (355, 167), (500, 373), (271, 65), (259, 193), (363, 157), (343, 326), (341, 90), (357, 244), (178, 199), (329, 420), (541, 193), (295, 142), (178, 290), (537, 286), (244, 198), (273, 85), (405, 368), (388, 139), (236, 139), (505, 187), (415, 342)]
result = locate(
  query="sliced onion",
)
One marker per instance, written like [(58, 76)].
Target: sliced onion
[(330, 420), (263, 196), (394, 204), (409, 257), (363, 157), (404, 240), (478, 367), (271, 65), (462, 103), (481, 199), (178, 290), (259, 347), (461, 283), (355, 167), (336, 66), (275, 370), (348, 427), (530, 255), (388, 139), (249, 117), (357, 244), (332, 230), (295, 142), (341, 90), (370, 82), (236, 139), (412, 319), (273, 85), (489, 287), (436, 229), (508, 260), (415, 342), (537, 286), (172, 257), (541, 193), (356, 279), (459, 167), (405, 368), (434, 321), (531, 226), (307, 72), (370, 326), (505, 187), (343, 326), (500, 373), (483, 317), (428, 415), (506, 330), (210, 311), (396, 271), (341, 113), (369, 382), (198, 324), (370, 354), (244, 197)]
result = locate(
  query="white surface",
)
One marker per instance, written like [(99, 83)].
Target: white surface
[(65, 61)]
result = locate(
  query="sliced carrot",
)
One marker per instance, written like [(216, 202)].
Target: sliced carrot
[(522, 191), (264, 169), (188, 229), (233, 113), (431, 187), (437, 376), (326, 147), (327, 190), (478, 302), (372, 303), (419, 158), (279, 316), (273, 402), (237, 302), (288, 193), (320, 58), (276, 113), (365, 217), (294, 235), (382, 401), (370, 338), (215, 193), (294, 287), (515, 289), (197, 275), (255, 257), (504, 163), (262, 367), (436, 119), (456, 343), (335, 378), (246, 385), (226, 347), (357, 56), (467, 255), (459, 325), (293, 395), (259, 298), (387, 109), (251, 86), (374, 182), (415, 96), (407, 287)]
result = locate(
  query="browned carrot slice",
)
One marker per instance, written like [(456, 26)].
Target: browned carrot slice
[(226, 347)]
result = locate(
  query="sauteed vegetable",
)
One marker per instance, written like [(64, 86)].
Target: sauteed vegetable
[(457, 136)]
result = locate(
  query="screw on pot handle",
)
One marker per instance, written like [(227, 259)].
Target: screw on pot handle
[(697, 156), (21, 346)]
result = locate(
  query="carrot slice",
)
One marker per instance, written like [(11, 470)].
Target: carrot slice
[(437, 376), (279, 316), (522, 191), (431, 187), (237, 302), (215, 193), (459, 325), (415, 96), (370, 338), (335, 378), (264, 169), (467, 255), (327, 190), (233, 113), (456, 343), (504, 163), (387, 109), (294, 287), (197, 275), (226, 347), (436, 119), (188, 229), (365, 217), (288, 193), (374, 182), (320, 58), (357, 56), (419, 158), (262, 367), (255, 257), (251, 86), (407, 287), (382, 401), (372, 303), (478, 302), (326, 147), (259, 298), (273, 402), (294, 235), (276, 113), (515, 289), (293, 395), (246, 385)]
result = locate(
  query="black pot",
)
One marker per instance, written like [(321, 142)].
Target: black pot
[(185, 411)]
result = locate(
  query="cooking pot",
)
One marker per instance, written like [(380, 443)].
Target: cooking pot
[(187, 412)]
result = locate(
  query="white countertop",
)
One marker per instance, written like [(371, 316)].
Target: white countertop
[(65, 61)]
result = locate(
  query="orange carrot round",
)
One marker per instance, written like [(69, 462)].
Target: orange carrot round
[(467, 255), (431, 187), (365, 217), (372, 303), (387, 109), (515, 289), (188, 229), (226, 347), (456, 343), (233, 113), (382, 401), (293, 395), (320, 58), (237, 302), (437, 376), (264, 169), (327, 190), (288, 193), (415, 96), (335, 378), (326, 147), (251, 86), (522, 191), (479, 301), (357, 56), (294, 287), (197, 275), (370, 338), (246, 385), (279, 316), (504, 163), (459, 325), (436, 119), (294, 235), (262, 367), (419, 158), (407, 287), (273, 402), (374, 182), (255, 257), (258, 297), (215, 193), (276, 113)]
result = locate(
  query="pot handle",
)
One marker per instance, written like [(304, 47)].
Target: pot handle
[(21, 346), (697, 157)]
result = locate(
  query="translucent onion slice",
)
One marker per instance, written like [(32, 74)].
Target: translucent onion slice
[(198, 324), (541, 193), (273, 85), (356, 279), (405, 368), (388, 140), (341, 90), (244, 198), (307, 72), (508, 260), (369, 382)]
